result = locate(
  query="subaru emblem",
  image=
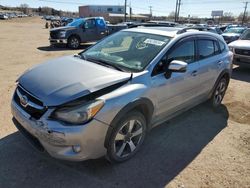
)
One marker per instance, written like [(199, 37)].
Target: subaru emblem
[(24, 101)]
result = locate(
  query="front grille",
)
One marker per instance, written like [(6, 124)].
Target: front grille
[(226, 37), (36, 110), (53, 34), (242, 52)]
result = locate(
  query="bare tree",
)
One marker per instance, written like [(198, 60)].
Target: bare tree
[(171, 15), (247, 18), (228, 16), (46, 10), (24, 8)]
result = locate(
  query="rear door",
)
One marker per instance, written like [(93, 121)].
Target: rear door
[(101, 28), (210, 60)]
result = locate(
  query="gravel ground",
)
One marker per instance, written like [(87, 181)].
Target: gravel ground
[(200, 148)]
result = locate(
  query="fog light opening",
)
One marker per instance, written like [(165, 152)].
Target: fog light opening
[(76, 148)]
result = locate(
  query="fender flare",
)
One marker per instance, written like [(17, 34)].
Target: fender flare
[(222, 74), (144, 105)]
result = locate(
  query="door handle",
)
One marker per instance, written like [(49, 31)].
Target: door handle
[(220, 63), (194, 73)]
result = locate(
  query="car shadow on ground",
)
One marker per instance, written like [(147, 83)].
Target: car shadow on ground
[(241, 74), (167, 150), (62, 48)]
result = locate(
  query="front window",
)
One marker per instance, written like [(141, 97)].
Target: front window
[(89, 24), (184, 52), (235, 30), (246, 35), (76, 23), (130, 51)]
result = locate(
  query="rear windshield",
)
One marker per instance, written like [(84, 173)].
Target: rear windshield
[(235, 30)]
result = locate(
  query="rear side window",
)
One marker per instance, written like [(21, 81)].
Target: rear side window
[(184, 52), (216, 48), (206, 48)]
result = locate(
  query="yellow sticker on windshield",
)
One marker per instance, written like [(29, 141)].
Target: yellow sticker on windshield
[(154, 42)]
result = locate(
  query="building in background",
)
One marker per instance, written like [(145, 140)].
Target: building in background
[(112, 13), (100, 10)]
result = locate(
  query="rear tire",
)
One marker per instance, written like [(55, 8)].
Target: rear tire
[(218, 93), (73, 42), (127, 137)]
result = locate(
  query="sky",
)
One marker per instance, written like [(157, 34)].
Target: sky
[(200, 8)]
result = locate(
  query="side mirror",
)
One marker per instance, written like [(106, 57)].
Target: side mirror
[(177, 66)]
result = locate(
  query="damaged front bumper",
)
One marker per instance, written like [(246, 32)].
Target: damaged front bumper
[(74, 143)]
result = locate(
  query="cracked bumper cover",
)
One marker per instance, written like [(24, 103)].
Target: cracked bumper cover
[(58, 139)]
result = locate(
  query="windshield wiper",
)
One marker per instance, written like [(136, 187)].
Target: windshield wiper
[(105, 63)]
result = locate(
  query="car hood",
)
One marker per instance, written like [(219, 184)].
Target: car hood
[(242, 44), (65, 28), (230, 35), (68, 78)]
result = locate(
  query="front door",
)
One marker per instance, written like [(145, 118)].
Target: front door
[(179, 89)]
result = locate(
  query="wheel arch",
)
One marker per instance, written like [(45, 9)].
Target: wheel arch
[(224, 74), (74, 35), (143, 105)]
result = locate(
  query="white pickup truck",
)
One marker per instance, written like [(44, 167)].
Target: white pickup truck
[(241, 49)]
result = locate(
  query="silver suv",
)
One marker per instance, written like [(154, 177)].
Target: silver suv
[(105, 100)]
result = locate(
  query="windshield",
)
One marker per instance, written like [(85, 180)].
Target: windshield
[(130, 51), (235, 30), (246, 35), (76, 23)]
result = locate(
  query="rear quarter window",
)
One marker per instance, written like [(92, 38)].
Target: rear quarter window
[(222, 46)]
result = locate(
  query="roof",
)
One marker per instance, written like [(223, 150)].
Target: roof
[(165, 31), (170, 31)]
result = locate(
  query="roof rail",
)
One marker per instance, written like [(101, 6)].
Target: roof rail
[(183, 30)]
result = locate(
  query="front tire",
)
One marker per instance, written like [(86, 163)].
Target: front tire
[(73, 42), (127, 137)]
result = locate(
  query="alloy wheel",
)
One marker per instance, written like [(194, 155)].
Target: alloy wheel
[(220, 92), (128, 138), (74, 42)]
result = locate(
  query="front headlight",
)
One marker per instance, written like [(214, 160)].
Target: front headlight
[(62, 33), (231, 48), (79, 114)]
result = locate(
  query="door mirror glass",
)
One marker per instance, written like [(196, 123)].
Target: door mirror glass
[(177, 66)]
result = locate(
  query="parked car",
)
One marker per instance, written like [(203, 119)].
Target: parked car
[(241, 49), (233, 34), (105, 100), (217, 29), (4, 17), (82, 31)]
